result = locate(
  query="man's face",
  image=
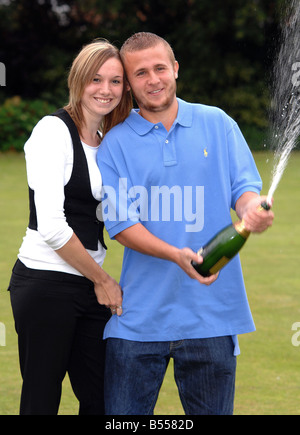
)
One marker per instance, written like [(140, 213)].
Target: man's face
[(152, 77)]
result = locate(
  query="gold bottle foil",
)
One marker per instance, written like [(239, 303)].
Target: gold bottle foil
[(240, 228)]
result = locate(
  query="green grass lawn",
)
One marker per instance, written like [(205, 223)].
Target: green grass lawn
[(268, 375)]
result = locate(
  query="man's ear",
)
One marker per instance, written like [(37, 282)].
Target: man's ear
[(176, 69), (127, 86)]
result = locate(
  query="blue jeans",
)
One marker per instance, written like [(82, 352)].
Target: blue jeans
[(204, 371)]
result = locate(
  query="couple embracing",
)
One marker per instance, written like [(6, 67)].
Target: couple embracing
[(115, 340)]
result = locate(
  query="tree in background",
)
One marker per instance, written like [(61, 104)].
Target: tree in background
[(225, 49)]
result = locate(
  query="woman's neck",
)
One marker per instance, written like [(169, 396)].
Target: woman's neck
[(91, 138), (89, 131)]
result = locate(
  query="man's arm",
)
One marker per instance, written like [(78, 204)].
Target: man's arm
[(248, 208), (137, 237)]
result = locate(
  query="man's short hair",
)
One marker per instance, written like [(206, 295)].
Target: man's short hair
[(142, 41)]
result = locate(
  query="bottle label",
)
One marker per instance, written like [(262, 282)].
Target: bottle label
[(221, 263)]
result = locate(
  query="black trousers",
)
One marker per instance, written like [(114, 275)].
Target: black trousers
[(60, 327)]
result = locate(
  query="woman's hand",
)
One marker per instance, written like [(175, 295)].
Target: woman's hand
[(107, 290), (109, 293)]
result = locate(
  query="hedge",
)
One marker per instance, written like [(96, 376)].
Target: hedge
[(17, 119)]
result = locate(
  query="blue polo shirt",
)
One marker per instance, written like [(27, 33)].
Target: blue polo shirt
[(181, 185)]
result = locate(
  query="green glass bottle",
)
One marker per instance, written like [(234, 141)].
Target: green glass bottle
[(223, 247)]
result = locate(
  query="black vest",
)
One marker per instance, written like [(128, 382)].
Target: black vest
[(80, 205)]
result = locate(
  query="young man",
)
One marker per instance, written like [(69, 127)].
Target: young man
[(171, 173)]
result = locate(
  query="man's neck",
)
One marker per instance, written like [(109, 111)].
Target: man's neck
[(166, 117)]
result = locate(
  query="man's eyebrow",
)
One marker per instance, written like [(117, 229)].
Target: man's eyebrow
[(139, 70), (145, 68)]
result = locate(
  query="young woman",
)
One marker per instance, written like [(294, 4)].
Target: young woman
[(61, 297)]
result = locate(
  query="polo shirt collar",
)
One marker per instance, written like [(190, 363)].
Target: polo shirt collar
[(141, 126), (185, 114)]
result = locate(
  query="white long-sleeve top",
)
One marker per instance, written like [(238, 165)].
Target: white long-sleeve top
[(49, 164)]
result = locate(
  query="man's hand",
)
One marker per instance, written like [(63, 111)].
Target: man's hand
[(256, 218), (185, 258)]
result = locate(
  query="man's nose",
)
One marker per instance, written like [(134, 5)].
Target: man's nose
[(153, 78)]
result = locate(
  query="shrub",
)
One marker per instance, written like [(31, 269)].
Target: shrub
[(17, 119)]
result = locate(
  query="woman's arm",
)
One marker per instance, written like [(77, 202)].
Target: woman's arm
[(49, 165), (107, 290)]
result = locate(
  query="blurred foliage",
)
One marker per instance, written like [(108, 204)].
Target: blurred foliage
[(225, 49), (17, 118)]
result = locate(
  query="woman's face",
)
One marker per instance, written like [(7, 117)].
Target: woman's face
[(105, 91)]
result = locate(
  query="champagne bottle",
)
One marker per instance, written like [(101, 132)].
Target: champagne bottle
[(223, 247)]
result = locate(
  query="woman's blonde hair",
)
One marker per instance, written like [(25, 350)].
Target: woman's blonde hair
[(84, 67)]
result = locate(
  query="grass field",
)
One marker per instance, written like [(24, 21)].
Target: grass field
[(268, 375)]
